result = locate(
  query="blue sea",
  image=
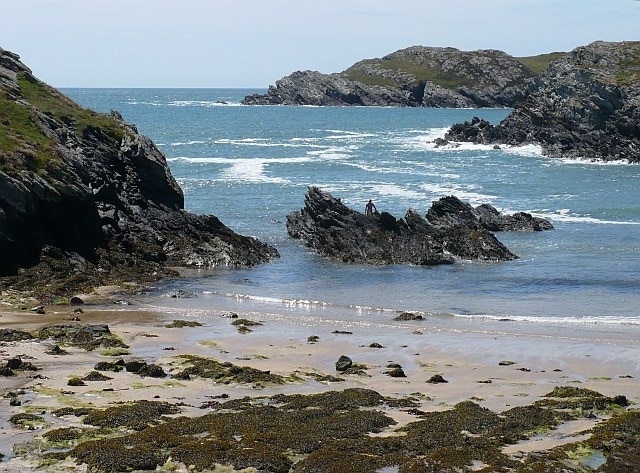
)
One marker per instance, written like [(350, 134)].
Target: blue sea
[(252, 165)]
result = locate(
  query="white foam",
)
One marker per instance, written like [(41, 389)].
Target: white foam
[(393, 190), (558, 320), (186, 143), (565, 215), (202, 103), (463, 192), (259, 142)]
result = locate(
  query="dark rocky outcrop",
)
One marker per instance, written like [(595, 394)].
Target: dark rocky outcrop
[(587, 105), (413, 77), (335, 231), (86, 200), (450, 212)]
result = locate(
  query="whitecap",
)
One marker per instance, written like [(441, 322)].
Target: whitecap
[(463, 192)]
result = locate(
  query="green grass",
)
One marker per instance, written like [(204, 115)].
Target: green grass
[(630, 73), (538, 64), (23, 143)]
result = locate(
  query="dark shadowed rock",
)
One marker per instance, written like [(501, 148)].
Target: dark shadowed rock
[(437, 379), (335, 231), (343, 363), (86, 200), (451, 211)]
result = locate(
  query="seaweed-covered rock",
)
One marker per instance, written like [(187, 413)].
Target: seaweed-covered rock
[(224, 372), (136, 416), (183, 323), (87, 336), (335, 231), (11, 335)]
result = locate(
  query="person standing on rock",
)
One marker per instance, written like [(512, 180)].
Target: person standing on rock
[(370, 208)]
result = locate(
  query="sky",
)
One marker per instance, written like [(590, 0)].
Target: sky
[(253, 43)]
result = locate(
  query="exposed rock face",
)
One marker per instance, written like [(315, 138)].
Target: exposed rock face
[(335, 231), (450, 212), (315, 88), (587, 106), (414, 77), (86, 200)]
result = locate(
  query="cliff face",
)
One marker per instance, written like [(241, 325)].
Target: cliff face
[(586, 106), (86, 200), (414, 77)]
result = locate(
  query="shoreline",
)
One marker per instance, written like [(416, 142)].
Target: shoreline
[(470, 362)]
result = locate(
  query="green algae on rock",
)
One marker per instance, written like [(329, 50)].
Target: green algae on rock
[(224, 372)]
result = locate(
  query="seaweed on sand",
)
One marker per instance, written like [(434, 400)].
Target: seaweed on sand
[(225, 372)]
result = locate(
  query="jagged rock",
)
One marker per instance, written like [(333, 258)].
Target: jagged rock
[(451, 211), (337, 232), (413, 77), (86, 200), (586, 105)]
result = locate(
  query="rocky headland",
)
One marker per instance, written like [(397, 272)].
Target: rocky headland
[(418, 76), (453, 229), (586, 105), (85, 200)]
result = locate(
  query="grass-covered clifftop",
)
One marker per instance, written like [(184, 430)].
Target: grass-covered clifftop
[(24, 142), (449, 68)]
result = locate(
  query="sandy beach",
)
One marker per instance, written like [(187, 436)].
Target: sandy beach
[(496, 371)]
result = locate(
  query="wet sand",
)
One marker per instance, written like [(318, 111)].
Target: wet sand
[(470, 362)]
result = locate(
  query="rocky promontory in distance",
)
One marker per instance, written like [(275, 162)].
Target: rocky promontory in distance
[(586, 106), (85, 200), (417, 76), (453, 229)]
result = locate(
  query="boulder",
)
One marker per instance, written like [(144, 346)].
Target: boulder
[(343, 363), (335, 231)]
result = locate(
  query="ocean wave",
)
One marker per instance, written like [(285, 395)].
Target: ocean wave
[(262, 142), (187, 143), (202, 103), (556, 320), (591, 162), (463, 192), (565, 215)]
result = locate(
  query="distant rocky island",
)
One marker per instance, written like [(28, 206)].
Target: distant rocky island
[(418, 76), (581, 104), (85, 200)]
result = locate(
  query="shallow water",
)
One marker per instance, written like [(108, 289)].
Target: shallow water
[(251, 166)]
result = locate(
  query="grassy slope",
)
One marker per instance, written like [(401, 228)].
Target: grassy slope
[(536, 64), (23, 143)]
